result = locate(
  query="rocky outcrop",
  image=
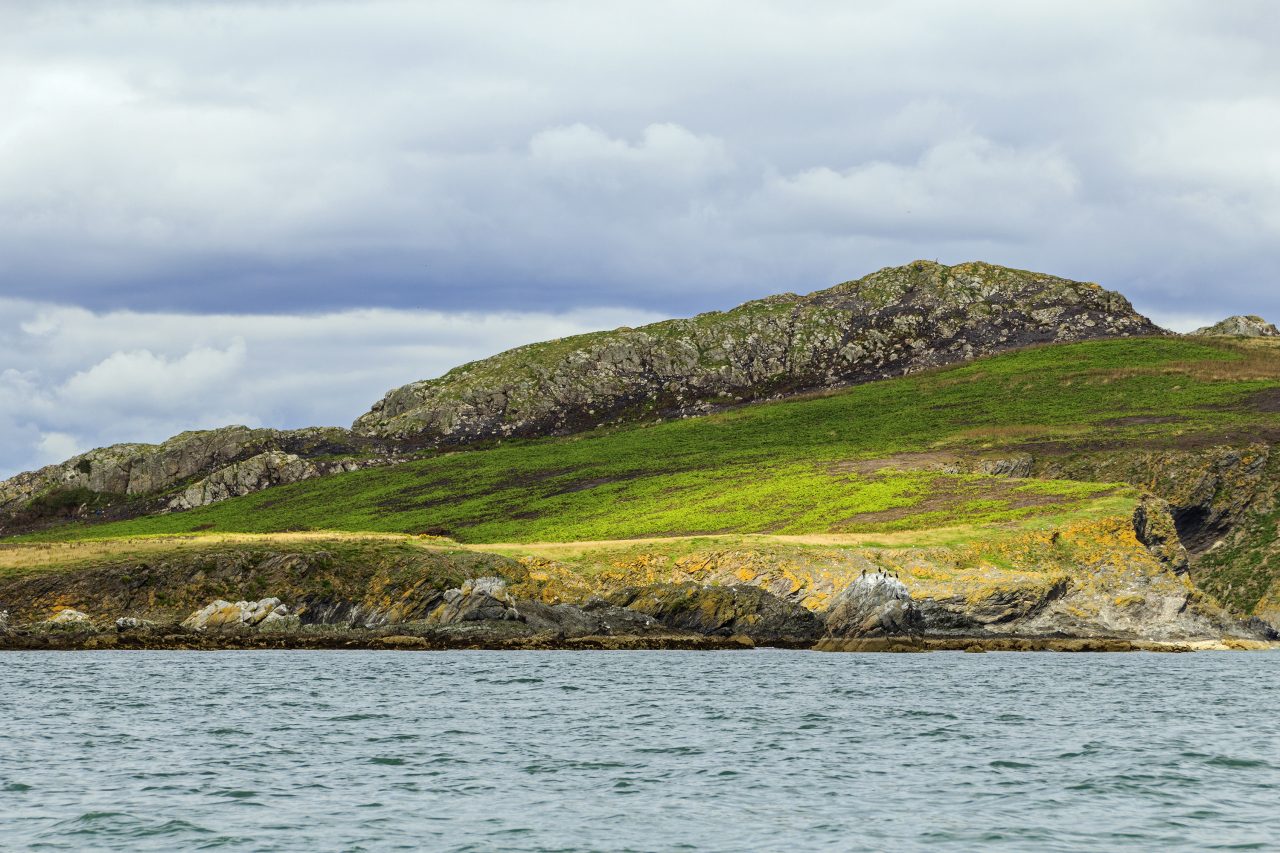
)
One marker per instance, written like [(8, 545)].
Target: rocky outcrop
[(222, 615), (737, 610), (477, 600), (69, 616), (272, 468), (874, 605), (1095, 582), (1209, 490), (892, 322), (221, 456), (1240, 326), (1155, 528)]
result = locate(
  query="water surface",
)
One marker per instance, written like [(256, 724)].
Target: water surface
[(762, 750)]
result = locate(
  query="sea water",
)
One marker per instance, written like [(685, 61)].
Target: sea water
[(725, 751)]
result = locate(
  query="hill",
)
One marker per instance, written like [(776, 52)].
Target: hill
[(1121, 488), (892, 322)]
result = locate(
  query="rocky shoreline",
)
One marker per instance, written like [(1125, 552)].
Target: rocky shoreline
[(175, 638), (874, 613)]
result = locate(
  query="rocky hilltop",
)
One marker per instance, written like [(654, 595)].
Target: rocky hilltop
[(895, 321), (1240, 326), (191, 469)]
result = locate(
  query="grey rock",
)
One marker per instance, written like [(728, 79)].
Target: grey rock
[(723, 611), (477, 600), (874, 605), (70, 616), (1001, 611), (222, 615), (216, 455), (1240, 326)]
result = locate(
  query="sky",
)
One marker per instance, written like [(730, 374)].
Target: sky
[(270, 213)]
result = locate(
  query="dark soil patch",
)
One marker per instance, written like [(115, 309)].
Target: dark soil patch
[(1142, 420), (1265, 401)]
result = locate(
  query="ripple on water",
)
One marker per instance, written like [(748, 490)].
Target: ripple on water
[(638, 751)]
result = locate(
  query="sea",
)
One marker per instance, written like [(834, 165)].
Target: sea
[(638, 751)]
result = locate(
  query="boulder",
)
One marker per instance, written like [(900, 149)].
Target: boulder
[(874, 605), (222, 615), (133, 623), (70, 616), (1240, 326)]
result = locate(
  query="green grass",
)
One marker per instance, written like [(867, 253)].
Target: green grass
[(776, 468)]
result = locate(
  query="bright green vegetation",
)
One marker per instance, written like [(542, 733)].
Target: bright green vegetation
[(790, 467)]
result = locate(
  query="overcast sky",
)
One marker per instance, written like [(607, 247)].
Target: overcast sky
[(272, 212)]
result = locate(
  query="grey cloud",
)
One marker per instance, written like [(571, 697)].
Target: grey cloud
[(75, 379), (286, 156)]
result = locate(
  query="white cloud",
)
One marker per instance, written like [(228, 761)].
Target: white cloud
[(963, 188), (80, 379), (56, 446), (261, 156)]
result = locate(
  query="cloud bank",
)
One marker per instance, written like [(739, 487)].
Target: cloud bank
[(269, 157)]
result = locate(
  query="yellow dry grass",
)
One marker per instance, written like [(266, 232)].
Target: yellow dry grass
[(23, 557)]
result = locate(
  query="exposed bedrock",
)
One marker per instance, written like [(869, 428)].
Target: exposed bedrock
[(895, 321), (875, 605), (1240, 326), (739, 609), (213, 464)]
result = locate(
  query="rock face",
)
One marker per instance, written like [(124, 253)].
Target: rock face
[(1154, 526), (874, 605), (895, 321), (1240, 326), (723, 610), (272, 468), (477, 600)]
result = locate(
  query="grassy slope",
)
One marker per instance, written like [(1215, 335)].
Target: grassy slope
[(785, 467)]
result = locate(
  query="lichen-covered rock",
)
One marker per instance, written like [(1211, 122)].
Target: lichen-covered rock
[(892, 322), (874, 605), (477, 600), (1268, 607), (253, 474), (69, 616), (1240, 326), (1155, 528), (143, 469), (133, 623), (1209, 490), (723, 610), (225, 615)]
